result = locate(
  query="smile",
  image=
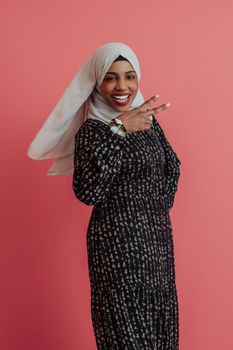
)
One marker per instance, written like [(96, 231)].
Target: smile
[(121, 100)]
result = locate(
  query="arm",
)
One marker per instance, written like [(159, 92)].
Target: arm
[(97, 160), (172, 167)]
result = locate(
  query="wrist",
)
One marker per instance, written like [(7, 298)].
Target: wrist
[(117, 128), (119, 123)]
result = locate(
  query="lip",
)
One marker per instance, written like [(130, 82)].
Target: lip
[(120, 94), (124, 103)]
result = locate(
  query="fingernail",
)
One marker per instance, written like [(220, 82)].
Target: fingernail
[(157, 96), (168, 104)]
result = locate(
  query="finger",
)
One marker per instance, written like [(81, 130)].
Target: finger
[(148, 119), (147, 103), (149, 122), (161, 108), (148, 113)]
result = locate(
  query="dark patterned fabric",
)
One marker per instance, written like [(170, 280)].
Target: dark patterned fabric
[(131, 184)]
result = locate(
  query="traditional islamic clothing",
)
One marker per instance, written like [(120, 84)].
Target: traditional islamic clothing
[(55, 139), (131, 182)]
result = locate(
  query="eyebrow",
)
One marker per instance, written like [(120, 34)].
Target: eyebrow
[(131, 71)]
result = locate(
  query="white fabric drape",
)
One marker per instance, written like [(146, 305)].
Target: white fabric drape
[(81, 98)]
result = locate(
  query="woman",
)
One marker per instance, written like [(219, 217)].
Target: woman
[(125, 167)]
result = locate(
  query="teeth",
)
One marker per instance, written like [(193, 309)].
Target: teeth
[(121, 97)]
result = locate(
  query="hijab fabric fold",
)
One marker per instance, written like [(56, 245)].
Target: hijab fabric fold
[(55, 140)]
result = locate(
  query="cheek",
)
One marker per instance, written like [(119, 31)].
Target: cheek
[(135, 88), (105, 89), (134, 85)]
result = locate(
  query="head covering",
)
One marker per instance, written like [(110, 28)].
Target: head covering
[(120, 58), (56, 137)]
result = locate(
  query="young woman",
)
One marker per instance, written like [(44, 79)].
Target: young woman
[(123, 165)]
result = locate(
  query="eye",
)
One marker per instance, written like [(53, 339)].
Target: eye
[(109, 78), (130, 77)]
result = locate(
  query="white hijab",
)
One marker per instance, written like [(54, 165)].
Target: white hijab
[(56, 139)]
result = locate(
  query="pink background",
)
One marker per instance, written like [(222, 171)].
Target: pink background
[(186, 54)]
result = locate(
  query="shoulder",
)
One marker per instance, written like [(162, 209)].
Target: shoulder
[(157, 126), (90, 133), (164, 139), (91, 129)]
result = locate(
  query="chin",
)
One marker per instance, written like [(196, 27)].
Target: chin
[(121, 109)]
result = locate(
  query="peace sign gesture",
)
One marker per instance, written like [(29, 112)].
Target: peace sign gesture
[(140, 118)]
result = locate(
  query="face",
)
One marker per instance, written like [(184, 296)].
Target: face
[(120, 79)]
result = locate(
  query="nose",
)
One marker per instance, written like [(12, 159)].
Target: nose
[(121, 84)]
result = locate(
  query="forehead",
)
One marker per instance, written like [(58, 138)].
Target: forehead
[(120, 67)]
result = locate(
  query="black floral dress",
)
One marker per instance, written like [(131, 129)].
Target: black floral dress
[(131, 184)]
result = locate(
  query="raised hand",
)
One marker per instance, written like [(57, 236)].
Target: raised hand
[(140, 118)]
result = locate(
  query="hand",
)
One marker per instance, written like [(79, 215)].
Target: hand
[(140, 118)]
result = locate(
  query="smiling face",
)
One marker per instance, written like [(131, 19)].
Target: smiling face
[(120, 79)]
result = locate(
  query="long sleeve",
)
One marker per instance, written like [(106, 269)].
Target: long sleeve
[(172, 167), (97, 161)]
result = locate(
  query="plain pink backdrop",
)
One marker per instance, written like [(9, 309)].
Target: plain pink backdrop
[(186, 54)]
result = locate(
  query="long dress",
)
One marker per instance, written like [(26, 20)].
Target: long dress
[(131, 184)]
